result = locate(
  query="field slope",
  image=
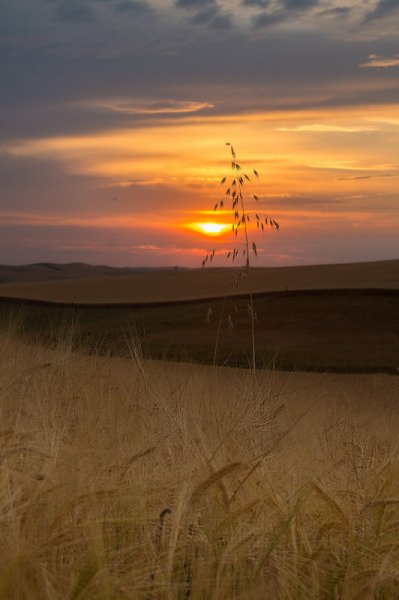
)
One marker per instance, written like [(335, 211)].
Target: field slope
[(330, 318), (173, 286)]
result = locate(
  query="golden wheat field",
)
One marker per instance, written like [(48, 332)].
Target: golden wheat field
[(174, 286), (132, 479)]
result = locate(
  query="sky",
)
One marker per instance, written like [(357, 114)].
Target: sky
[(114, 118)]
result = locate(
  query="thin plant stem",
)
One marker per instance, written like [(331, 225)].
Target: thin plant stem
[(218, 334), (248, 275), (235, 192)]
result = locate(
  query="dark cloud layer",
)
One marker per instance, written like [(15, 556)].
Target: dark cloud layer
[(255, 3), (299, 5), (382, 9), (136, 7), (337, 11), (285, 11), (42, 85), (86, 11), (206, 12), (74, 11), (105, 50), (194, 3)]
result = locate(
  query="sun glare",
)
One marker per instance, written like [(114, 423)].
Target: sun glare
[(209, 228)]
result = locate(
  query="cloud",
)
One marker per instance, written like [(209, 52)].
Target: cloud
[(165, 250), (303, 202), (196, 4), (136, 7), (320, 128), (145, 106), (299, 5), (286, 11), (380, 62), (255, 3), (82, 11), (268, 19), (207, 12), (222, 22), (337, 11), (75, 11), (383, 9), (205, 16), (373, 176)]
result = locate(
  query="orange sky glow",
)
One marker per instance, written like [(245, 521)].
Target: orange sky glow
[(348, 153), (114, 125)]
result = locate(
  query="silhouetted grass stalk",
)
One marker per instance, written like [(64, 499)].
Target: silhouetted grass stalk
[(240, 225)]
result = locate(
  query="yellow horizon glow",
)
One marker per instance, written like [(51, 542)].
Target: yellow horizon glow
[(315, 165), (209, 228)]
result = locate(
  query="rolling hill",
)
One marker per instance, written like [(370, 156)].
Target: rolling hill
[(84, 284)]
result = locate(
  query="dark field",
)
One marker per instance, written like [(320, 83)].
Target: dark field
[(323, 330)]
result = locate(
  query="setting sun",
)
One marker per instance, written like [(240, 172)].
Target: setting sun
[(210, 228)]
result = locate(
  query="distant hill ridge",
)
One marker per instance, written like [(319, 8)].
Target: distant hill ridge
[(46, 271)]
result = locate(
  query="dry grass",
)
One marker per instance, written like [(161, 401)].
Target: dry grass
[(187, 285), (131, 479)]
